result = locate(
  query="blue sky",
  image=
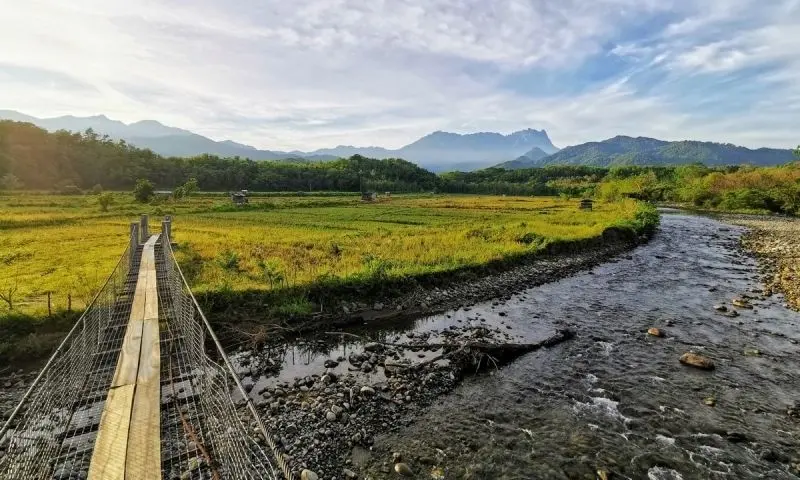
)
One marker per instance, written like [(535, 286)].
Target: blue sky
[(305, 74)]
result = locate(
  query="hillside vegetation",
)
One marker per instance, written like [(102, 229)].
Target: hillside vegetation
[(622, 150)]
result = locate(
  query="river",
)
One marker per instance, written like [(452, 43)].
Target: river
[(616, 399)]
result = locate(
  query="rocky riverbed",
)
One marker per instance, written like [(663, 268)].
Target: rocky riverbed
[(683, 366), (776, 240)]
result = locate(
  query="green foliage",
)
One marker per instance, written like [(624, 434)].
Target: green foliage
[(228, 260), (143, 191), (272, 273), (190, 187), (97, 189), (105, 200)]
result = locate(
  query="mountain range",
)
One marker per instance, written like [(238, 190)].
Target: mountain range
[(436, 151), (622, 150)]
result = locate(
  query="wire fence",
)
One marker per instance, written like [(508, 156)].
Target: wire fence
[(209, 428), (51, 432), (208, 422)]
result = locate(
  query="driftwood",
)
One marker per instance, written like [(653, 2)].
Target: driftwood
[(474, 352), (496, 353)]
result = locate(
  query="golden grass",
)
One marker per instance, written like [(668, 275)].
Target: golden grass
[(64, 244)]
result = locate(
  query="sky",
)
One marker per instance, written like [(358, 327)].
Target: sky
[(306, 74)]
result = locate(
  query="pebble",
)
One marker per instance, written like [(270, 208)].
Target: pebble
[(330, 416), (403, 469), (367, 390), (308, 475)]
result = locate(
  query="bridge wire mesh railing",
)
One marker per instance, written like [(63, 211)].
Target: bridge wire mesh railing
[(210, 428), (51, 432)]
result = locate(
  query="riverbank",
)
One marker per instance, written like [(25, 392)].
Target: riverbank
[(776, 241)]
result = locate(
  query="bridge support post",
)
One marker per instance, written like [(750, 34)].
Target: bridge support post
[(166, 234), (145, 234), (168, 218), (134, 241)]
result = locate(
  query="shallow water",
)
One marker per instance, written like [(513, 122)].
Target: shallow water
[(616, 399), (613, 398)]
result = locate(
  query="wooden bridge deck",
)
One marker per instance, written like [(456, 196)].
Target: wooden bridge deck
[(128, 439)]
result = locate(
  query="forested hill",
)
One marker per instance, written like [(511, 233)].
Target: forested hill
[(623, 150), (32, 158)]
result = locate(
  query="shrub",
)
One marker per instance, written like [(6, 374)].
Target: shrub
[(229, 260), (143, 191), (529, 238), (96, 190), (105, 200)]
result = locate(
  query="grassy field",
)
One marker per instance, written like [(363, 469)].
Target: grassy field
[(280, 246)]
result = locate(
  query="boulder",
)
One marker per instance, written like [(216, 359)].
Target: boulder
[(696, 360)]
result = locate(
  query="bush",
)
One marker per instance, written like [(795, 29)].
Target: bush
[(143, 191), (105, 200), (229, 260), (96, 190)]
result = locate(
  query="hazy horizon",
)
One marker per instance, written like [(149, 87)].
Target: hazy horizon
[(311, 74)]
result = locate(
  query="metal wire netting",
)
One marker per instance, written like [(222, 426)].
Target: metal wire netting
[(51, 433), (208, 427)]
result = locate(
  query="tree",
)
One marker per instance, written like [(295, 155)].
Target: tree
[(9, 181), (143, 191), (797, 152), (190, 187), (105, 200)]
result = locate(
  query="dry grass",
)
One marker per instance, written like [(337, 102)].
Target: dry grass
[(64, 244)]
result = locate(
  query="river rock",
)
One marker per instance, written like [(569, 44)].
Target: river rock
[(696, 360), (308, 475), (367, 391), (656, 332), (349, 473), (373, 347), (741, 303), (330, 416), (396, 457), (720, 308), (752, 352), (403, 469), (331, 363)]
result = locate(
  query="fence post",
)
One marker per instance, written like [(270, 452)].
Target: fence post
[(69, 302), (145, 234), (49, 307), (134, 241)]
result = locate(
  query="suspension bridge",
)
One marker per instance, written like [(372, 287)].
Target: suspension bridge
[(139, 389)]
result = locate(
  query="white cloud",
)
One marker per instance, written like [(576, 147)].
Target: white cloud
[(312, 73)]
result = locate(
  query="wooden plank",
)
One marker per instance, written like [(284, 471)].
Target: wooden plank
[(110, 447), (144, 442), (128, 443)]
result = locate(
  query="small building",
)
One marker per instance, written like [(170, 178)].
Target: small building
[(586, 204), (240, 198), (163, 193), (369, 196)]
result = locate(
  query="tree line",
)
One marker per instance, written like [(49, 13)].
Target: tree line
[(67, 162)]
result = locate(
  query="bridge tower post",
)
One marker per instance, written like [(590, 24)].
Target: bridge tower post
[(145, 234), (134, 240), (166, 233)]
